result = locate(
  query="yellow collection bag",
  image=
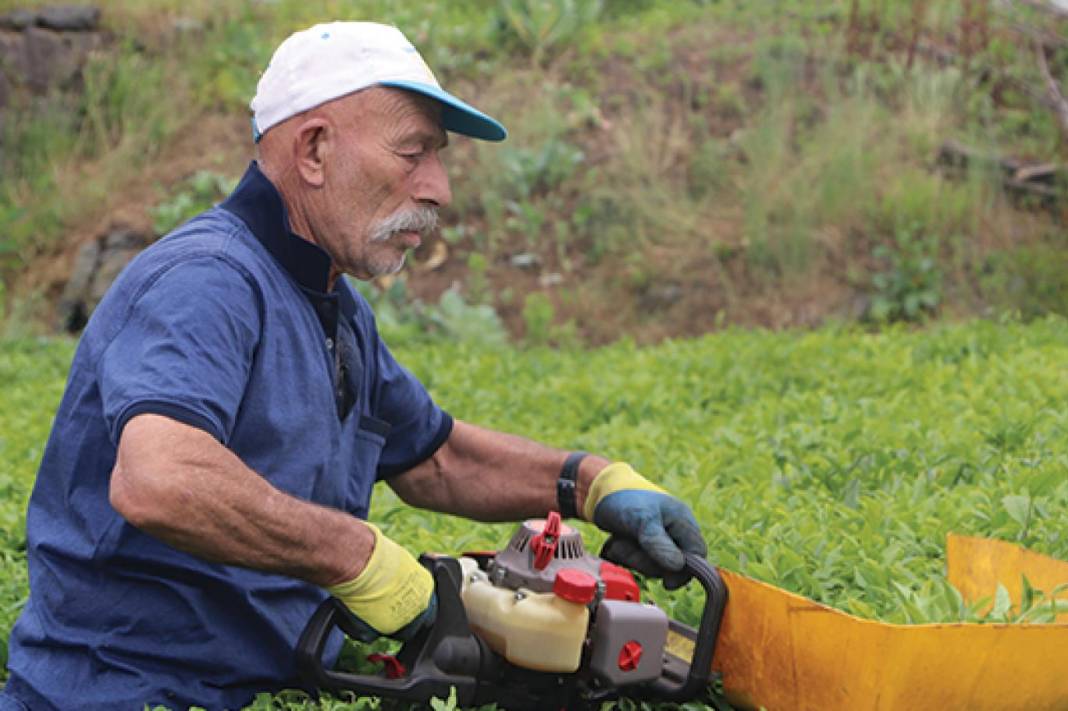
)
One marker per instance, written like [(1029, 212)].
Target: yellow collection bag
[(784, 652)]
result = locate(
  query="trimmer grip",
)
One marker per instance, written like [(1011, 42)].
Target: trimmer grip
[(700, 671), (439, 658)]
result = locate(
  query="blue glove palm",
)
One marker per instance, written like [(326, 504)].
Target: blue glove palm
[(652, 530)]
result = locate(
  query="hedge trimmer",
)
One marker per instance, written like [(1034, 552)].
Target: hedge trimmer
[(542, 624)]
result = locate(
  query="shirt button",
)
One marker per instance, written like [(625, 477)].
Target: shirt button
[(330, 343)]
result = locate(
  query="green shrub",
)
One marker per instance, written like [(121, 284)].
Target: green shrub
[(831, 463), (909, 288), (403, 319), (196, 194)]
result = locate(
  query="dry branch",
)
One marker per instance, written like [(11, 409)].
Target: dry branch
[(1037, 182), (1054, 97)]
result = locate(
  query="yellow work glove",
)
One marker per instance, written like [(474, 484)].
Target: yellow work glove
[(393, 595), (651, 530)]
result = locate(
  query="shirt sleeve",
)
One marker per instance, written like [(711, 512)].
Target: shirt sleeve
[(185, 350), (417, 425)]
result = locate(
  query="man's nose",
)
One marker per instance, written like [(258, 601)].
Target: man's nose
[(432, 182)]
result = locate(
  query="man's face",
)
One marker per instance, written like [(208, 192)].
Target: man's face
[(384, 181)]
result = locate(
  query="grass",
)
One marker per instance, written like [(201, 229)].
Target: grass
[(831, 463)]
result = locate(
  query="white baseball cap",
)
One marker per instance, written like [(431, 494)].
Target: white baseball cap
[(331, 60)]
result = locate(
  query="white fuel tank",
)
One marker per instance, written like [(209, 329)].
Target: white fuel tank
[(539, 631)]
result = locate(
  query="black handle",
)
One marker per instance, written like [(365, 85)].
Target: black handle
[(700, 671), (443, 656)]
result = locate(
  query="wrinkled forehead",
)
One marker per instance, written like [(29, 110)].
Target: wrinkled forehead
[(393, 111)]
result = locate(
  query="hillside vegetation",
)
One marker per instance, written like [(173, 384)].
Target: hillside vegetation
[(672, 167)]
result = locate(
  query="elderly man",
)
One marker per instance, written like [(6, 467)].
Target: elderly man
[(231, 405)]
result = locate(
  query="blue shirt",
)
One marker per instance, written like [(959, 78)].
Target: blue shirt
[(224, 325)]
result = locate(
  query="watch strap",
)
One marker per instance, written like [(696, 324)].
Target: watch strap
[(567, 484)]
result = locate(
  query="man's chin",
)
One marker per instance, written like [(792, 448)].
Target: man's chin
[(389, 268)]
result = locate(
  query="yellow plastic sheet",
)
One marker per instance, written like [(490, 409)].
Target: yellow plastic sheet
[(975, 566), (784, 652)]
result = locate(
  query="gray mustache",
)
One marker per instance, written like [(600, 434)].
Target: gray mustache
[(418, 219)]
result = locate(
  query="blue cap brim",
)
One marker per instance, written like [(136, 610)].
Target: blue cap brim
[(456, 115)]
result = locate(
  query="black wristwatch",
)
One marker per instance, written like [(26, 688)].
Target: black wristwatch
[(567, 484)]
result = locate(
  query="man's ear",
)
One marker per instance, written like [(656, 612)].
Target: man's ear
[(311, 143)]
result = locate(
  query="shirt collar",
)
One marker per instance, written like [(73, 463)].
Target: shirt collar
[(259, 205)]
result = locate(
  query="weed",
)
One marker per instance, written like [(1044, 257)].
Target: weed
[(538, 315), (910, 286), (402, 318), (541, 27), (527, 171), (198, 193), (478, 288)]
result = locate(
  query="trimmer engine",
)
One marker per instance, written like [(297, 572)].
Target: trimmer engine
[(541, 624), (546, 604)]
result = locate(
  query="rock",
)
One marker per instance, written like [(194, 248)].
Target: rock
[(525, 260), (11, 55), (71, 313), (95, 268), (187, 25), (111, 263), (41, 56), (550, 279), (42, 59), (17, 20), (660, 296), (120, 246), (54, 59), (69, 18), (124, 238)]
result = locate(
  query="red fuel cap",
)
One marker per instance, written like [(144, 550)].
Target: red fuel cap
[(630, 655), (574, 585)]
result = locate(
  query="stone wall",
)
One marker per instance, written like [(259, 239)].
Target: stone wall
[(45, 49)]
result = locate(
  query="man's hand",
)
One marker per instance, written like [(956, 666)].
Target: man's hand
[(393, 595), (651, 529)]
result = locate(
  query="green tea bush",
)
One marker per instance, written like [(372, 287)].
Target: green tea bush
[(830, 463), (32, 375)]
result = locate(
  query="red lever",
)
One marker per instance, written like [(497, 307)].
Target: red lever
[(543, 545), (630, 655), (393, 667)]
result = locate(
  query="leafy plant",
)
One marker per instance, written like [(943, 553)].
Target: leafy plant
[(197, 194), (538, 314), (401, 318), (543, 26), (910, 287), (532, 170)]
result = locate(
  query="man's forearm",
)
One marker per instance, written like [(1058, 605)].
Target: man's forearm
[(492, 476), (180, 485)]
